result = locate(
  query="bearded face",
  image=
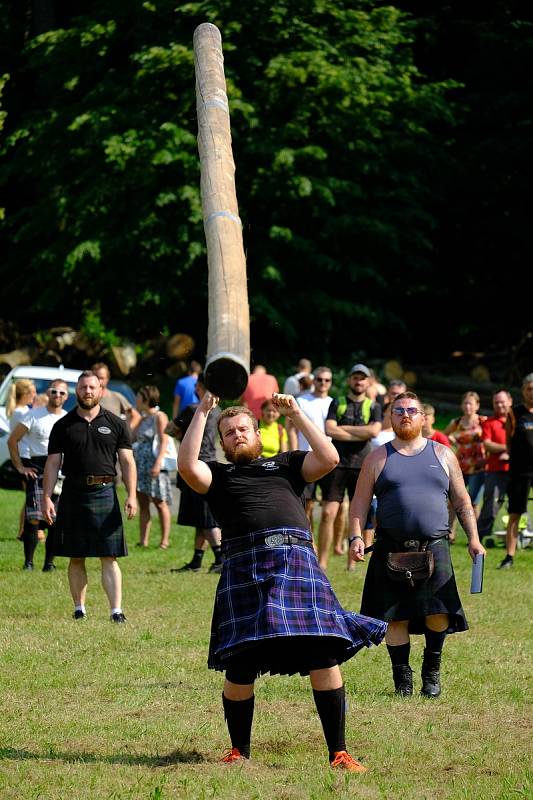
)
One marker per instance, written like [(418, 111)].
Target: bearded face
[(407, 427), (88, 393), (240, 441)]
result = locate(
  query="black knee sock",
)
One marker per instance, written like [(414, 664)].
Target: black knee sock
[(49, 546), (30, 540), (197, 558), (435, 640), (217, 552), (331, 707), (239, 715), (399, 654)]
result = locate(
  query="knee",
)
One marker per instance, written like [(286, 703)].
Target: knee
[(329, 512)]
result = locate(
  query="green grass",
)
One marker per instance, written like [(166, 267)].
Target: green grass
[(92, 710)]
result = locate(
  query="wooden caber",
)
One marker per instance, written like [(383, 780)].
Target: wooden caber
[(228, 347)]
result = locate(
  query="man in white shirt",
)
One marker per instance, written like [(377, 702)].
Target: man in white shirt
[(292, 384), (35, 428), (315, 406)]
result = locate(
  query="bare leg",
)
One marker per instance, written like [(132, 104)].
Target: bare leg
[(398, 632), (325, 531), (238, 691), (323, 680), (77, 580), (112, 581), (163, 512), (511, 536), (339, 529), (437, 622), (145, 522), (212, 535)]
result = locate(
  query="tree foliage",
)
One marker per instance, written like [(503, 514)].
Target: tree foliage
[(342, 145)]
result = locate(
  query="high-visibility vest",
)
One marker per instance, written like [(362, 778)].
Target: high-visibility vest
[(366, 408)]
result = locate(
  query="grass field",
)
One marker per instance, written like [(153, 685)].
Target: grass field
[(92, 710)]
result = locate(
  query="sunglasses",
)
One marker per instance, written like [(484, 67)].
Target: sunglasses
[(61, 392), (411, 411), (322, 380)]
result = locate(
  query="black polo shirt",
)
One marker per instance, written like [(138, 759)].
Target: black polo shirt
[(89, 448), (263, 494)]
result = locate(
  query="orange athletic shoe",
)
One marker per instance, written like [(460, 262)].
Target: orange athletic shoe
[(344, 760), (233, 756)]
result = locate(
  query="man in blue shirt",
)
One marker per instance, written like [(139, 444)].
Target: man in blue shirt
[(185, 390)]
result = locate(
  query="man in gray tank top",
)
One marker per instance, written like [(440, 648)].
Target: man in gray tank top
[(412, 478)]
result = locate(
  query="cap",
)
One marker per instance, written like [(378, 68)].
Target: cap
[(360, 368)]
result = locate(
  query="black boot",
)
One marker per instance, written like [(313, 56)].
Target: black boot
[(403, 679), (430, 674)]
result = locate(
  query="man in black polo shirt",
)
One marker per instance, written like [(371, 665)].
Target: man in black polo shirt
[(275, 610), (89, 523), (352, 422)]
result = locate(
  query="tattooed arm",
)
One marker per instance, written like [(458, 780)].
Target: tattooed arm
[(460, 499)]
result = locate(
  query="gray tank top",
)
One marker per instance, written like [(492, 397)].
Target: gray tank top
[(412, 494)]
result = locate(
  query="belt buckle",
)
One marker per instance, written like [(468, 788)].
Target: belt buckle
[(90, 480), (411, 544), (274, 540)]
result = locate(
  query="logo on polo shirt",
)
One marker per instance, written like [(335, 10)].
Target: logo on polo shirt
[(270, 465), (104, 429)]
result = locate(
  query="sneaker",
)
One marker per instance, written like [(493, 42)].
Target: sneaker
[(49, 567), (507, 562), (79, 614), (118, 616), (217, 568), (28, 565), (343, 760), (190, 567), (233, 756)]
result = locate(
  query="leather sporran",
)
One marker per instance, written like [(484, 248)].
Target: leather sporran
[(411, 567)]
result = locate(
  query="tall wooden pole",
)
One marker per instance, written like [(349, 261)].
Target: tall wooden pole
[(228, 346)]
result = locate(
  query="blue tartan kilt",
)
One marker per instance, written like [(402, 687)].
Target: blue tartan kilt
[(279, 595), (89, 522), (392, 601)]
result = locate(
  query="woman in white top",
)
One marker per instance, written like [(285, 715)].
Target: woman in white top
[(21, 396)]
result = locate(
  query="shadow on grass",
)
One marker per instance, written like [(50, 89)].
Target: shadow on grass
[(175, 757)]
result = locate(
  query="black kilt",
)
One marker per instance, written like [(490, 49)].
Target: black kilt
[(275, 610), (194, 510), (393, 601), (89, 522)]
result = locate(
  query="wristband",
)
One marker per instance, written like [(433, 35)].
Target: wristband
[(352, 539)]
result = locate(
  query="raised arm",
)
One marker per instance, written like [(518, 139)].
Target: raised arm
[(194, 472), (323, 456)]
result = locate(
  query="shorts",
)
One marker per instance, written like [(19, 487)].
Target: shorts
[(518, 492), (309, 493), (337, 482)]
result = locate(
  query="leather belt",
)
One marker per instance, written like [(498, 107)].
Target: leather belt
[(98, 480), (271, 540)]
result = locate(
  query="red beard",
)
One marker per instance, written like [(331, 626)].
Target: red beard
[(244, 453), (407, 433)]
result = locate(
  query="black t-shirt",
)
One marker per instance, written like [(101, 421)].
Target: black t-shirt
[(263, 494), (89, 448), (521, 450), (208, 451), (352, 454)]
